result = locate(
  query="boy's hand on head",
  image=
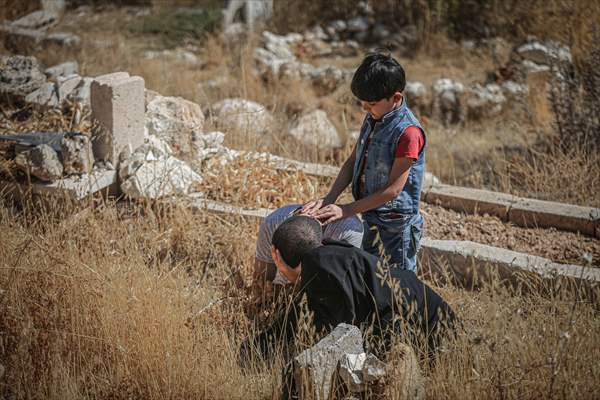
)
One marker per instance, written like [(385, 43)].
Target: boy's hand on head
[(332, 213), (310, 209)]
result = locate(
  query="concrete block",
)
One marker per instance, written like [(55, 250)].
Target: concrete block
[(117, 102), (470, 201), (469, 264), (544, 214)]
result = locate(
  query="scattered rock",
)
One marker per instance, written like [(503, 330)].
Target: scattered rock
[(65, 85), (545, 53), (531, 67), (76, 152), (316, 367), (150, 173), (62, 40), (315, 129), (447, 104), (81, 93), (514, 90), (40, 161), (358, 24), (359, 370), (418, 97), (63, 69), (380, 32), (405, 371), (44, 96), (174, 120), (327, 79), (485, 101), (180, 55), (278, 45), (210, 145), (27, 41), (40, 20), (19, 76), (242, 116)]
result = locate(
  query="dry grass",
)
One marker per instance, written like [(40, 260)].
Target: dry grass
[(147, 302)]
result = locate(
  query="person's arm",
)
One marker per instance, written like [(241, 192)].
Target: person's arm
[(343, 179), (396, 182)]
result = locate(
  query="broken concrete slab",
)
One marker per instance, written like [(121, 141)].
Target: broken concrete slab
[(545, 214), (470, 201), (315, 368), (117, 102), (79, 187)]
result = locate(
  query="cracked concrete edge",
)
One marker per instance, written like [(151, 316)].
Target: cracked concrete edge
[(73, 188), (518, 210), (467, 261)]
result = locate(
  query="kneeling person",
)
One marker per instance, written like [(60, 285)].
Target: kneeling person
[(345, 284)]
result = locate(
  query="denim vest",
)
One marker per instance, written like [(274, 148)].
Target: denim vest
[(381, 155)]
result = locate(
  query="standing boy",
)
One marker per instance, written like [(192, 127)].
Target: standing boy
[(385, 168)]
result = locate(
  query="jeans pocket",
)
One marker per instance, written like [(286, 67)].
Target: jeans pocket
[(416, 233)]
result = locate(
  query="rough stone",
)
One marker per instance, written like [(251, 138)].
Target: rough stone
[(81, 93), (447, 104), (358, 24), (62, 39), (253, 11), (19, 76), (174, 120), (315, 129), (63, 69), (179, 55), (65, 85), (44, 96), (359, 370), (117, 102), (545, 53), (485, 101), (514, 90), (531, 67), (242, 115), (40, 19), (40, 161), (327, 79), (207, 145), (315, 367), (278, 45), (76, 152), (406, 374), (418, 96), (150, 173), (380, 32)]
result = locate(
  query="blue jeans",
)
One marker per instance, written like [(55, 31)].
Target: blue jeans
[(395, 238)]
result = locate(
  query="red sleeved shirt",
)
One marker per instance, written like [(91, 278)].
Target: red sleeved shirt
[(410, 143)]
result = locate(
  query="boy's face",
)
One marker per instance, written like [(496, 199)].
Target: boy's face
[(378, 109)]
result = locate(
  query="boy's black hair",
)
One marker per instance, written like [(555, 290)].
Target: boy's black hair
[(297, 236), (378, 77)]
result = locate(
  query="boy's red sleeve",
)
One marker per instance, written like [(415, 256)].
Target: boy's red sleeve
[(410, 143)]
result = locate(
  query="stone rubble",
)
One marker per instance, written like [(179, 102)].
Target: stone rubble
[(76, 152), (62, 69), (19, 76), (41, 162), (174, 120), (40, 19), (316, 130), (315, 368), (359, 370), (240, 115), (151, 173)]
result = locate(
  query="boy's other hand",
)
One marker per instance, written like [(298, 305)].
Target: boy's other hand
[(331, 213), (310, 209)]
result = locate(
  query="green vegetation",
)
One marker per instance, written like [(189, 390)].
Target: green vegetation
[(176, 26)]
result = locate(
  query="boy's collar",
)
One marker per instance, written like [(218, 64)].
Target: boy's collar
[(389, 115)]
